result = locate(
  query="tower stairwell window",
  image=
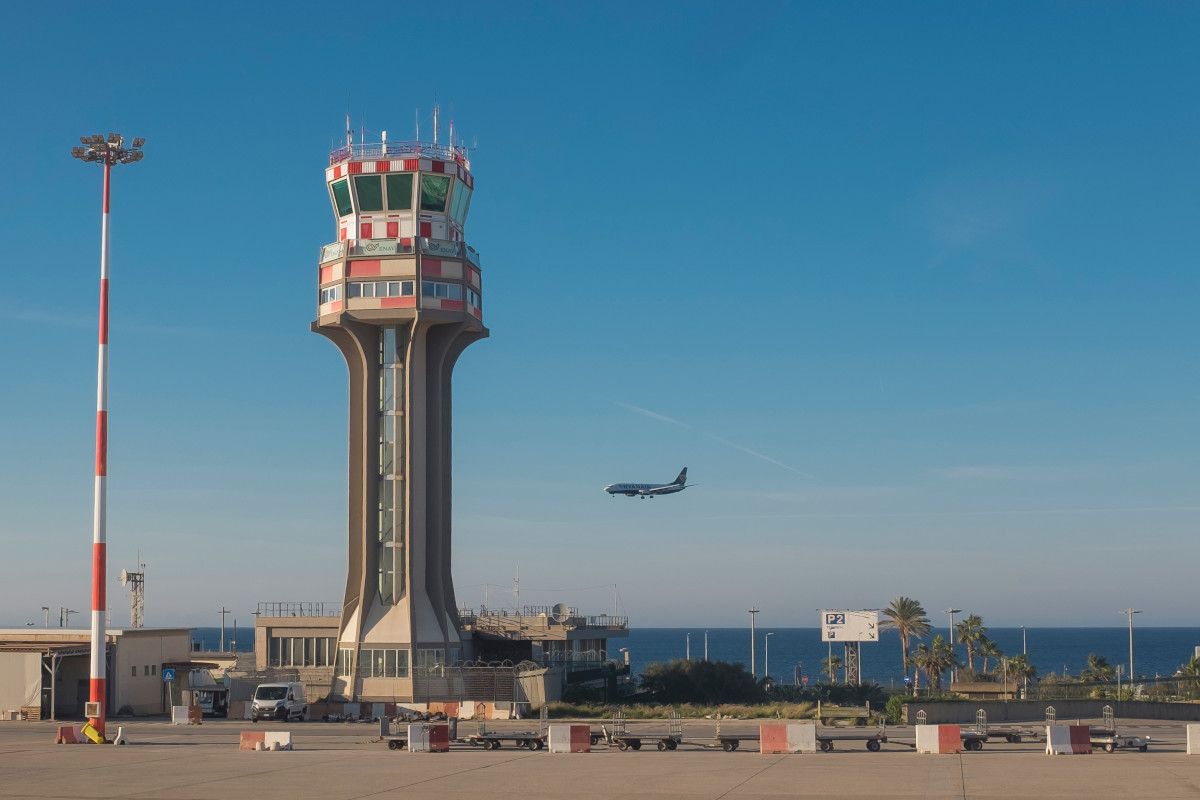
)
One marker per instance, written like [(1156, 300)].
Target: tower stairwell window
[(391, 466)]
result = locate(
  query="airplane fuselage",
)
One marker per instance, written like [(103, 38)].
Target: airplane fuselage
[(645, 490)]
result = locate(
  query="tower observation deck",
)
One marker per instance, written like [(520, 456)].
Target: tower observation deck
[(400, 297)]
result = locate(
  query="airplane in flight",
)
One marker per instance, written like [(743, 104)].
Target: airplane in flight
[(644, 490)]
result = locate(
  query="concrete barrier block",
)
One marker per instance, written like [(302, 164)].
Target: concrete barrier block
[(179, 715), (1065, 740), (70, 734), (787, 738), (569, 738), (938, 739), (801, 738), (772, 739), (10, 715), (278, 740), (418, 738), (1193, 740), (439, 738), (121, 738), (249, 739)]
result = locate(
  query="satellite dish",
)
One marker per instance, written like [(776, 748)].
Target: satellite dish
[(560, 613), (124, 577)]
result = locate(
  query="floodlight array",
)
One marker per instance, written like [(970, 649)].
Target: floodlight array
[(110, 149)]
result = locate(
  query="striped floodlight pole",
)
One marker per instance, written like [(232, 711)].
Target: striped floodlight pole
[(108, 152)]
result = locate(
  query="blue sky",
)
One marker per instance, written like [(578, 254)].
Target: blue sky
[(910, 289)]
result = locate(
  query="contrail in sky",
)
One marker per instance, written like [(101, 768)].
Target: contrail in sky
[(714, 437)]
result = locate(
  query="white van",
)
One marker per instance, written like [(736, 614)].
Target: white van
[(283, 701)]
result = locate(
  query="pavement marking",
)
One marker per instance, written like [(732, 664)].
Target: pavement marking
[(749, 778), (441, 777)]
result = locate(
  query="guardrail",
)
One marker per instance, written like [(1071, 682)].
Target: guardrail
[(411, 149), (442, 248), (298, 610)]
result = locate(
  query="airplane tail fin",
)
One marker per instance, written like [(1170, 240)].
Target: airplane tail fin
[(682, 479)]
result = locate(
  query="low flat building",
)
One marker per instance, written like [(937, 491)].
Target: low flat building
[(44, 672)]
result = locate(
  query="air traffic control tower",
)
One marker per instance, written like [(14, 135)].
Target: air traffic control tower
[(400, 297)]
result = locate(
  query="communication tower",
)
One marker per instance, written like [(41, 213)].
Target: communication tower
[(400, 297), (136, 581)]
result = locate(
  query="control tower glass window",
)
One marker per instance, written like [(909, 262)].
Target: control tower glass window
[(434, 191), (458, 207), (399, 192), (341, 198), (391, 552), (369, 189)]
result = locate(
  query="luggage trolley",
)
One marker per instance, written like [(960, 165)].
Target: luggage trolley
[(491, 740), (1108, 740), (633, 741)]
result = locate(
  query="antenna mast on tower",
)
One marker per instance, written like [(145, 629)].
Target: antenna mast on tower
[(137, 598)]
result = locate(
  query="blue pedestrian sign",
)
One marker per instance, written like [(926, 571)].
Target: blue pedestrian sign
[(168, 675), (907, 680)]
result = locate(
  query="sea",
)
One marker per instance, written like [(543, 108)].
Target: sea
[(792, 653)]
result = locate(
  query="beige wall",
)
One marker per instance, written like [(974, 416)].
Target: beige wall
[(20, 680), (143, 693)]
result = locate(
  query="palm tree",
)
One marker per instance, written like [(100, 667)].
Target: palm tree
[(907, 617), (988, 649), (830, 666), (1020, 668), (1098, 669), (934, 658), (971, 632), (1190, 671)]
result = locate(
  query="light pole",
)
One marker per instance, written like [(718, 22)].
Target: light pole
[(752, 612), (1025, 652), (1130, 612), (107, 152), (689, 646), (954, 655), (767, 654), (706, 645)]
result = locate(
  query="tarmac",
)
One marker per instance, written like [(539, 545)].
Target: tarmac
[(341, 761)]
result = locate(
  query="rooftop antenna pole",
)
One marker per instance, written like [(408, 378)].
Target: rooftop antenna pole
[(417, 119), (435, 122)]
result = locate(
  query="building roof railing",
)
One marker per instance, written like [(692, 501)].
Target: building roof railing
[(299, 610), (442, 248), (382, 150)]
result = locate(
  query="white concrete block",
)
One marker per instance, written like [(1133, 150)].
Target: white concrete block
[(121, 737), (801, 738), (179, 715), (278, 740), (1193, 740), (418, 738)]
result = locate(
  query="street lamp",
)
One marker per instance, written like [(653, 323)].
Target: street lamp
[(97, 148), (706, 645), (752, 612), (952, 611), (689, 646), (1025, 652), (767, 654), (1130, 612)]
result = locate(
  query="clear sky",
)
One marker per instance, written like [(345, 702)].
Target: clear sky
[(911, 290)]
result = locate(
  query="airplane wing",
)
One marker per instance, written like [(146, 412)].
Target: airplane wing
[(668, 489)]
